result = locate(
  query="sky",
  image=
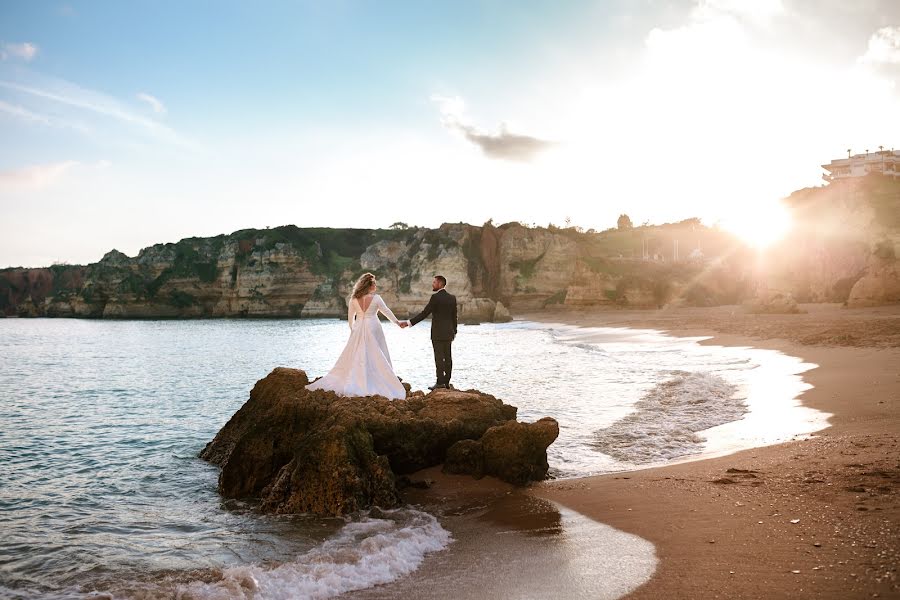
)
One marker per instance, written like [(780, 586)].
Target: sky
[(125, 124)]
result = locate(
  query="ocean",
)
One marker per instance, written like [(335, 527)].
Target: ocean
[(101, 422)]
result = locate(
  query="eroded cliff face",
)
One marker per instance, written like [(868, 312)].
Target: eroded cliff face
[(534, 265), (845, 234), (284, 272), (845, 249)]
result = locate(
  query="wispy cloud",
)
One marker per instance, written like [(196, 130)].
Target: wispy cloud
[(754, 10), (25, 51), (23, 113), (157, 106), (884, 47), (69, 94), (502, 145), (34, 177)]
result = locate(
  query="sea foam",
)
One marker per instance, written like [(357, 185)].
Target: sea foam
[(666, 420), (380, 547)]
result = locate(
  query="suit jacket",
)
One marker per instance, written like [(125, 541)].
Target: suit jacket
[(442, 308)]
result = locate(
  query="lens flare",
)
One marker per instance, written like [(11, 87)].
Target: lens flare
[(760, 226)]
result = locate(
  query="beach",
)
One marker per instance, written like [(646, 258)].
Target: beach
[(814, 518)]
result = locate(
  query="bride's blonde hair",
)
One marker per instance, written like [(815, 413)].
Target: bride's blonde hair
[(363, 285)]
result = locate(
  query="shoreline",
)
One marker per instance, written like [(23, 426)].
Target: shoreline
[(723, 526), (817, 517)]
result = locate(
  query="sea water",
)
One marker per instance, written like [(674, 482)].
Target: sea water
[(101, 423)]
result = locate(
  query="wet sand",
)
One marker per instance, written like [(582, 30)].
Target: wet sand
[(511, 544), (815, 518)]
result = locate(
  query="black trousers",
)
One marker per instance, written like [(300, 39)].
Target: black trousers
[(443, 360)]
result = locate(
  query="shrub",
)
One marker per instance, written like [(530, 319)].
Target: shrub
[(180, 299), (526, 268)]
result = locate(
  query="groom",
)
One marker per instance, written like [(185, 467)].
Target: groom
[(442, 308)]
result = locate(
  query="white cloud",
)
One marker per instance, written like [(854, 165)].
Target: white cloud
[(751, 9), (157, 106), (34, 177), (23, 113), (452, 108), (26, 51), (69, 94), (884, 47), (502, 145)]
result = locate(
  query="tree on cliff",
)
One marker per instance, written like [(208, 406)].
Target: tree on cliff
[(624, 222), (399, 225)]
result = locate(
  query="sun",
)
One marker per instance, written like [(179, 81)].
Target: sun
[(760, 225)]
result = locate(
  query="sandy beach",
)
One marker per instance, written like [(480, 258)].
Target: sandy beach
[(817, 518), (812, 518)]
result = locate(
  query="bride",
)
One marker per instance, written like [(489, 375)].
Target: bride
[(364, 367)]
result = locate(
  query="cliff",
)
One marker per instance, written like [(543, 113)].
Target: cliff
[(281, 272), (843, 249), (295, 272)]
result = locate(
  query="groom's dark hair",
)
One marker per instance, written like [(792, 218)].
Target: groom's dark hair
[(442, 279)]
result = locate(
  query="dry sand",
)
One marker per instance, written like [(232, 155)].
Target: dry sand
[(818, 518)]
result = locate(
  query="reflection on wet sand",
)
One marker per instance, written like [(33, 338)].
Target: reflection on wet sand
[(509, 544)]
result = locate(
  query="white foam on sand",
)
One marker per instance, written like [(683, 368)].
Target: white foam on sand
[(376, 549), (569, 556), (666, 421)]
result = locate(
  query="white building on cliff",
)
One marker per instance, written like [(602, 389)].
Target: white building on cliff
[(885, 162)]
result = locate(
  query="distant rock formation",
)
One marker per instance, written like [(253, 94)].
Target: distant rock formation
[(301, 451), (880, 283), (308, 272)]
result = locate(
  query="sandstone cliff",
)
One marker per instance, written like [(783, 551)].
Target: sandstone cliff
[(846, 234), (847, 239)]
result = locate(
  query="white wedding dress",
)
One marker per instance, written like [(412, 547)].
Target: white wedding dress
[(364, 367)]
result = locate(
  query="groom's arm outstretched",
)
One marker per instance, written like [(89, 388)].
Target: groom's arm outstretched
[(425, 312)]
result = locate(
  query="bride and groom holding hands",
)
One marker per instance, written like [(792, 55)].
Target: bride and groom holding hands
[(364, 367)]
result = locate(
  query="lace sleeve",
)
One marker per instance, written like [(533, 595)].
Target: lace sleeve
[(386, 311)]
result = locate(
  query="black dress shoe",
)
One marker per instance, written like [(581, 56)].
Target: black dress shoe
[(436, 386)]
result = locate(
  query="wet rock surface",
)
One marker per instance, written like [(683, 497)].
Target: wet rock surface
[(301, 451)]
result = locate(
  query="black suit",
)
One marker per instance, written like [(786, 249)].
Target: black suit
[(442, 308)]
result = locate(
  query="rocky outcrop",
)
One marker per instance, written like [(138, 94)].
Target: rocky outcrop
[(880, 283), (534, 265), (479, 310), (839, 231), (301, 451), (514, 452)]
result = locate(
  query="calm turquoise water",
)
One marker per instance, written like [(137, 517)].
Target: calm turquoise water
[(101, 423)]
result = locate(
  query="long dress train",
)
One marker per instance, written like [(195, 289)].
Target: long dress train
[(364, 368)]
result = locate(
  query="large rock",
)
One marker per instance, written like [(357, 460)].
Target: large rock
[(514, 452), (880, 284), (313, 451)]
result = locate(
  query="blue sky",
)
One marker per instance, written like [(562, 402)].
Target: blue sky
[(131, 123)]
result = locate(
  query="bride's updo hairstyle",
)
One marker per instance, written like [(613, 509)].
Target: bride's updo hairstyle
[(363, 285)]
